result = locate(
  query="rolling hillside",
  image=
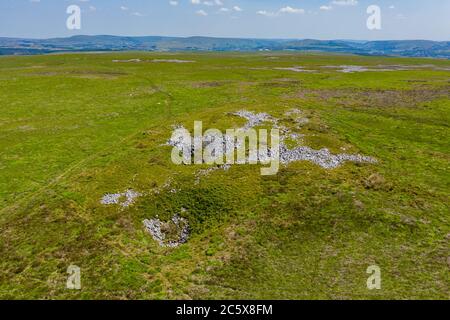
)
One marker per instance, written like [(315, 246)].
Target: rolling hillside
[(408, 48)]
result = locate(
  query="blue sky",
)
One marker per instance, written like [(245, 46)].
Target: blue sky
[(319, 19)]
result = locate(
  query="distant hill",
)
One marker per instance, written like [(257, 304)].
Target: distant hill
[(408, 48)]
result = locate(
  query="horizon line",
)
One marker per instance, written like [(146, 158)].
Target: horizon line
[(216, 37)]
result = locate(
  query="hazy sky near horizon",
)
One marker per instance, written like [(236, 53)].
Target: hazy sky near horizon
[(319, 19)]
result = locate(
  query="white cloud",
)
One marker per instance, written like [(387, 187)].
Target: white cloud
[(123, 8), (291, 10), (208, 3), (326, 8), (266, 13), (345, 2), (284, 10), (202, 13), (173, 3), (237, 8)]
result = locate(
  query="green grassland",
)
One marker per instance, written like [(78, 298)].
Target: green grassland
[(77, 126)]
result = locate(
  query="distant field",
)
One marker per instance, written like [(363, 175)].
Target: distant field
[(75, 127)]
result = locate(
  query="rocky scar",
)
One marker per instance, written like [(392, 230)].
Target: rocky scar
[(170, 234), (124, 199), (213, 147)]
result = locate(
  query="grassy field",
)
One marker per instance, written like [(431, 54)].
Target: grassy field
[(75, 127)]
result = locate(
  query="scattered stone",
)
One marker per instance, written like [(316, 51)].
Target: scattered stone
[(172, 61), (293, 112), (228, 143), (352, 69), (165, 186), (169, 234), (321, 157), (125, 199), (295, 69), (131, 60), (206, 172), (383, 68), (324, 158), (254, 119), (154, 60), (296, 136)]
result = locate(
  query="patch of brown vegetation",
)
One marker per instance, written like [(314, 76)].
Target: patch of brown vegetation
[(208, 84), (281, 83), (375, 98), (375, 182), (144, 92), (84, 74)]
